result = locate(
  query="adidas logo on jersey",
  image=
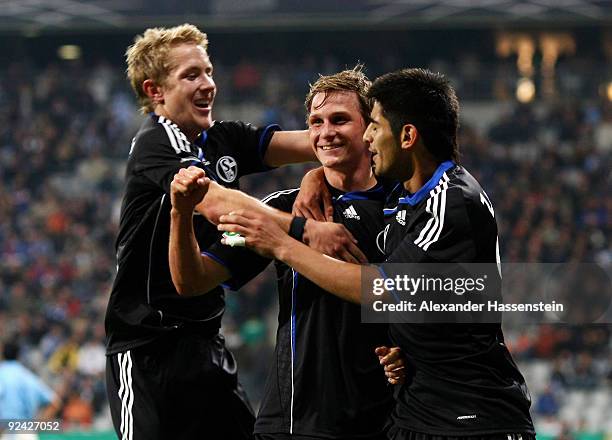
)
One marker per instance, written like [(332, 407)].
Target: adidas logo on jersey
[(351, 213), (401, 218)]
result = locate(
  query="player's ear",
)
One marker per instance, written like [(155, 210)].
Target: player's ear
[(408, 136), (154, 91)]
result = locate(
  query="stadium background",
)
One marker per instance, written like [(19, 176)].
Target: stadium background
[(535, 81)]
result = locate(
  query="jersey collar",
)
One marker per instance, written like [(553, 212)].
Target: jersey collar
[(421, 194), (375, 193), (200, 141)]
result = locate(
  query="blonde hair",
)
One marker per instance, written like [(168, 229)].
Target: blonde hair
[(353, 80), (148, 57)]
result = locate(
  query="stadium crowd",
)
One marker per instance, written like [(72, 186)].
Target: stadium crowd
[(65, 132)]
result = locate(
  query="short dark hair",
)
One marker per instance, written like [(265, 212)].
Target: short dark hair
[(10, 351), (350, 80), (427, 101)]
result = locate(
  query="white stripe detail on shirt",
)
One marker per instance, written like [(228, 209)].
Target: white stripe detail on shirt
[(436, 206), (277, 194), (433, 195), (170, 133), (441, 218), (177, 138)]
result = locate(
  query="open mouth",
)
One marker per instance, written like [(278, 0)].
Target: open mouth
[(329, 147), (202, 104)]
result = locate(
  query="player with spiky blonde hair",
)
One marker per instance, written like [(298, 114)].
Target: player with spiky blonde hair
[(152, 332)]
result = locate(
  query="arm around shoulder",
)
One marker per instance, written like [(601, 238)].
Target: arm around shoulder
[(287, 147)]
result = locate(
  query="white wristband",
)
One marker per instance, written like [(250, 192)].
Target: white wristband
[(234, 239)]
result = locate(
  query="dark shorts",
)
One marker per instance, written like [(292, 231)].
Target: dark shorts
[(396, 433), (181, 386), (307, 437)]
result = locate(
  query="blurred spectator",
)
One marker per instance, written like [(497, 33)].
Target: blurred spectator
[(247, 79), (66, 357), (584, 376), (77, 413), (91, 357), (558, 377), (547, 404), (22, 394)]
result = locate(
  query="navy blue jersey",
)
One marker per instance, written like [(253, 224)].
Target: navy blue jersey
[(325, 379), (465, 380), (143, 302)]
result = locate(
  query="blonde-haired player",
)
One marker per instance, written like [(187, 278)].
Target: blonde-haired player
[(152, 332)]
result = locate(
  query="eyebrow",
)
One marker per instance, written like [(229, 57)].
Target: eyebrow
[(186, 69), (336, 113), (196, 66)]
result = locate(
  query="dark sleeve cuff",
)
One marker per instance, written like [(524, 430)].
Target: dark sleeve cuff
[(264, 142), (232, 283)]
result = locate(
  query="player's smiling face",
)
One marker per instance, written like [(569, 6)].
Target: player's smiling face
[(336, 126), (188, 91), (386, 152)]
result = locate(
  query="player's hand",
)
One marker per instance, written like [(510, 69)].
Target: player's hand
[(314, 194), (188, 188), (394, 363), (261, 234), (333, 239)]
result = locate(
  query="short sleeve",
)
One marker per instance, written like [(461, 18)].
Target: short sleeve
[(242, 263), (159, 153), (442, 233), (249, 143)]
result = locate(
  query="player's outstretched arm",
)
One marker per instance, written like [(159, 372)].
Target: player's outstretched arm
[(287, 147), (215, 200), (192, 190), (220, 200), (267, 238), (192, 273)]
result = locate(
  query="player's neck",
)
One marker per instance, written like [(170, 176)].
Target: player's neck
[(191, 135), (359, 179), (423, 170)]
